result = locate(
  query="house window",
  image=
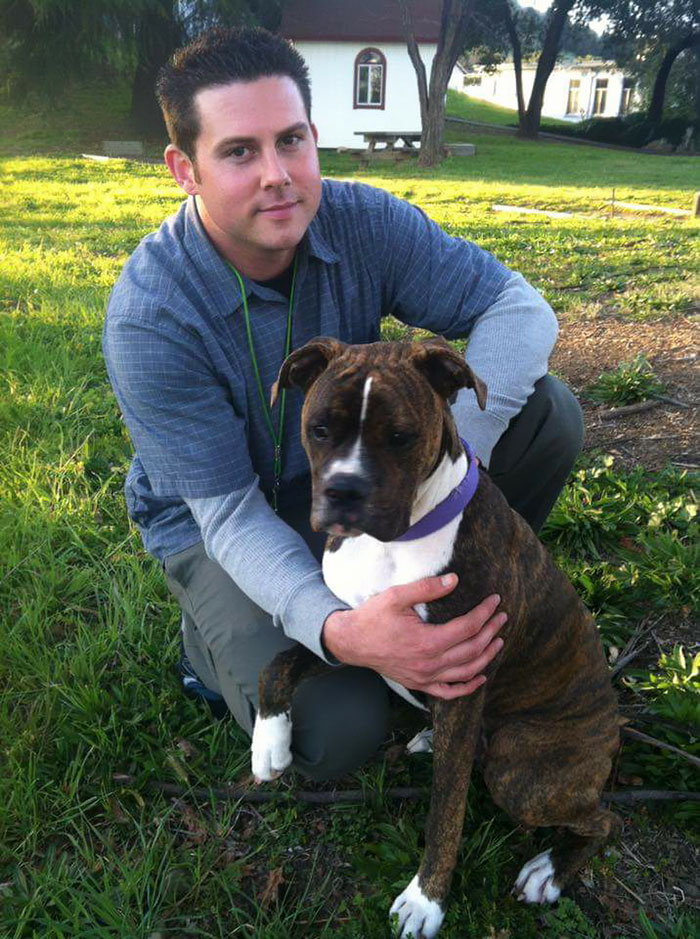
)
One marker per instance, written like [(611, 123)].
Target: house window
[(572, 103), (601, 93), (627, 92), (370, 79)]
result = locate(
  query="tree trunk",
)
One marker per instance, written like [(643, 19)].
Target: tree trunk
[(456, 15), (529, 127), (656, 107), (517, 58), (158, 34)]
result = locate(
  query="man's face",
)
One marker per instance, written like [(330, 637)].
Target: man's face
[(255, 172)]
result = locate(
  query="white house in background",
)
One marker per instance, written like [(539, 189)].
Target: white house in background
[(362, 78), (459, 73), (575, 91)]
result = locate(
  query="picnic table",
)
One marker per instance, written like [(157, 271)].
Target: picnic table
[(373, 137)]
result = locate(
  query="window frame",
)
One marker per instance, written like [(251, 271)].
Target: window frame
[(601, 85), (369, 106), (574, 86)]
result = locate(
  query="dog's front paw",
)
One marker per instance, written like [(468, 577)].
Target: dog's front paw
[(271, 747), (418, 916), (535, 882)]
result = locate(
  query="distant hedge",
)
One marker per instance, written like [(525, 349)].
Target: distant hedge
[(632, 130)]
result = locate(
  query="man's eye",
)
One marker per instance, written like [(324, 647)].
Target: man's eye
[(320, 432), (291, 140), (238, 153)]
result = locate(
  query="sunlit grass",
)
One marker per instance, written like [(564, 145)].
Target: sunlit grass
[(90, 708)]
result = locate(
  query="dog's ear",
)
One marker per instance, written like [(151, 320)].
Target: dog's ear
[(446, 369), (303, 366)]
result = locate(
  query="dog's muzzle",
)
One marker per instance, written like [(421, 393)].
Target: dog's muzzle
[(343, 501)]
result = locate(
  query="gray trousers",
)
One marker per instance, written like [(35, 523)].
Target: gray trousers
[(340, 718)]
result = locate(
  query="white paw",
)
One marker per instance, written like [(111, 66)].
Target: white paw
[(422, 742), (271, 746), (535, 883), (418, 916)]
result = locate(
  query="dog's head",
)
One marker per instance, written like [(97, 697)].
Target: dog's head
[(375, 424)]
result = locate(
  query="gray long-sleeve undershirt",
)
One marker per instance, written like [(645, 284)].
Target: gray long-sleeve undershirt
[(508, 349)]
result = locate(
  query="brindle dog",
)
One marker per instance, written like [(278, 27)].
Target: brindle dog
[(377, 418)]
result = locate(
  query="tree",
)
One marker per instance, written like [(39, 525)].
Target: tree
[(530, 34), (49, 43), (454, 24), (643, 26)]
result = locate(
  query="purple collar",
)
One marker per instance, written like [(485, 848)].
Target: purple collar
[(450, 507)]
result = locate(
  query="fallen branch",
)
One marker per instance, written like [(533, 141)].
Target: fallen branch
[(628, 409), (246, 794), (645, 738), (651, 795), (635, 717), (623, 661), (674, 401), (242, 794)]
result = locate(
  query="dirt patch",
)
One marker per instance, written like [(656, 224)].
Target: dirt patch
[(667, 433)]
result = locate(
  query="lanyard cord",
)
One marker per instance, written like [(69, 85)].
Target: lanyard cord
[(275, 435)]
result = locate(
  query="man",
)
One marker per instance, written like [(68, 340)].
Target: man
[(263, 256)]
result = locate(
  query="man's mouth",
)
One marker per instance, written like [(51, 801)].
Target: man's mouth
[(280, 210)]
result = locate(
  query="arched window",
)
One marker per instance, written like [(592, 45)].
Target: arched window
[(370, 79)]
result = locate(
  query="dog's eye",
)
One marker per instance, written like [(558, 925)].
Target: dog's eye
[(401, 438), (320, 432)]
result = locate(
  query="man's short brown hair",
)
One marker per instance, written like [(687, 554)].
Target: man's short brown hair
[(218, 57)]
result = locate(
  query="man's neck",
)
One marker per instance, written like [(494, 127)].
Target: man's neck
[(254, 264)]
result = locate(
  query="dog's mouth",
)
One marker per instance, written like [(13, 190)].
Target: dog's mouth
[(352, 523)]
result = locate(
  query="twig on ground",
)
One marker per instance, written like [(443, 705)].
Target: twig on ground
[(245, 794), (645, 738), (650, 795), (677, 726), (628, 409), (242, 794), (679, 404), (632, 649), (629, 891)]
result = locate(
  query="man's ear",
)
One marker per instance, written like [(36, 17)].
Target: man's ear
[(446, 369), (303, 366), (181, 169)]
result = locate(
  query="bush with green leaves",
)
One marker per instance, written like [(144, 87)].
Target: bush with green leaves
[(629, 383)]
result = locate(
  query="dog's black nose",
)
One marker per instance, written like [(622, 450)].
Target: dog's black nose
[(345, 490)]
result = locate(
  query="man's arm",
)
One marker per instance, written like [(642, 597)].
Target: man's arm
[(456, 289), (509, 348), (269, 561), (271, 564)]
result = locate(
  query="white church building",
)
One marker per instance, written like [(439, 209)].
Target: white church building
[(362, 79)]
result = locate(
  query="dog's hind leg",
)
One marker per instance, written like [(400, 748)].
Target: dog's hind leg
[(544, 779), (421, 906), (271, 751)]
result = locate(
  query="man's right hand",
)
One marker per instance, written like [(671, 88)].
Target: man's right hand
[(386, 634)]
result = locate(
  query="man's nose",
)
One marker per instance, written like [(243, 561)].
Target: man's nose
[(274, 172)]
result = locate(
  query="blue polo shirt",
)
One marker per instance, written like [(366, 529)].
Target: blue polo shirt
[(178, 358)]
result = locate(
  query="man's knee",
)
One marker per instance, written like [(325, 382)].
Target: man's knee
[(563, 419), (339, 721), (549, 427)]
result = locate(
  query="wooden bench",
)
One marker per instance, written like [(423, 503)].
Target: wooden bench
[(373, 137)]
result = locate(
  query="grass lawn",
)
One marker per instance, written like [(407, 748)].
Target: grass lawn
[(91, 715), (460, 104)]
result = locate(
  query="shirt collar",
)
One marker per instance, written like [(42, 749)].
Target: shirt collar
[(221, 280)]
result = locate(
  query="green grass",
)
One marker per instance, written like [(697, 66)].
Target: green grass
[(90, 709), (461, 104)]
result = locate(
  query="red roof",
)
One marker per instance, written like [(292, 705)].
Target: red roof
[(359, 20)]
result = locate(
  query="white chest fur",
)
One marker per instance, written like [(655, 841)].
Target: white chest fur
[(363, 566)]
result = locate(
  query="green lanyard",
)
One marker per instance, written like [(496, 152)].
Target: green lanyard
[(276, 435)]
